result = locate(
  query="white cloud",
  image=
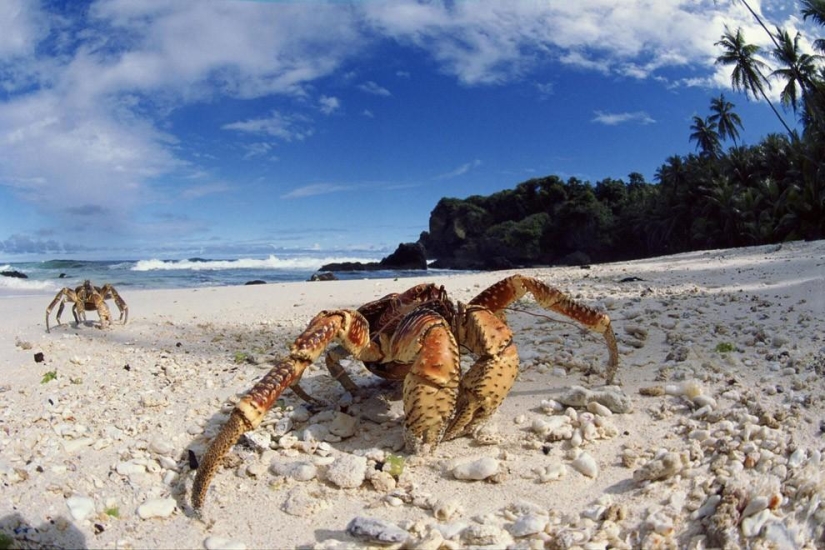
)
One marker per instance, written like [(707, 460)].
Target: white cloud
[(460, 171), (612, 119), (315, 189), (329, 105), (84, 118), (285, 127), (488, 41), (373, 88)]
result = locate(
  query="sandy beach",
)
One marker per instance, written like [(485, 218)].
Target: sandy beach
[(714, 437)]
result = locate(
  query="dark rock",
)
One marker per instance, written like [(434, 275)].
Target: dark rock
[(39, 357), (350, 266), (325, 276), (406, 256), (255, 282), (14, 273), (61, 276)]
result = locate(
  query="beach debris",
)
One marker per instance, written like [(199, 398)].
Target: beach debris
[(88, 297), (413, 336)]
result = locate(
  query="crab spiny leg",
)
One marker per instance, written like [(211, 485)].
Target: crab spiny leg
[(503, 293), (102, 309), (484, 387), (424, 340), (109, 290), (349, 327), (61, 296)]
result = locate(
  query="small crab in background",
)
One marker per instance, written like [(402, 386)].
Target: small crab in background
[(88, 297)]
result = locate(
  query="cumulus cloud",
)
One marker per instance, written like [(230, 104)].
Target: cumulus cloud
[(88, 94), (612, 119), (329, 105)]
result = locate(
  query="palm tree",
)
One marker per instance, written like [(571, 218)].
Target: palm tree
[(815, 9), (725, 119), (798, 69), (747, 70), (705, 136), (761, 23)]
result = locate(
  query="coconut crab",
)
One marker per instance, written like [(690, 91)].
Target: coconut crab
[(88, 297), (414, 336)]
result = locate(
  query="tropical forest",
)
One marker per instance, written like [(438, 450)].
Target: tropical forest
[(723, 194)]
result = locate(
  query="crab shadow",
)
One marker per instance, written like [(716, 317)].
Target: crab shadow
[(57, 532)]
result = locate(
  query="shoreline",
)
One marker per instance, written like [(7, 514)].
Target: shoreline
[(101, 436)]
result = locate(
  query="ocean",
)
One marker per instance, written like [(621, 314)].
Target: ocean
[(47, 277)]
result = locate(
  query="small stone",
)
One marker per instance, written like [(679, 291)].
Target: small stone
[(348, 471), (527, 525), (663, 467), (477, 470), (586, 465), (220, 543), (343, 425), (80, 507), (375, 530), (156, 508)]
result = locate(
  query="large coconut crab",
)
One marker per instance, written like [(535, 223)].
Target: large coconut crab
[(88, 297), (414, 336)]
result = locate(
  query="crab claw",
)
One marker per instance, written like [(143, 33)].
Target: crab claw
[(236, 426)]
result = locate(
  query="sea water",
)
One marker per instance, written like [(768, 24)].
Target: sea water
[(47, 277)]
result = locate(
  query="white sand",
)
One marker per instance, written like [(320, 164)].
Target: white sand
[(112, 431)]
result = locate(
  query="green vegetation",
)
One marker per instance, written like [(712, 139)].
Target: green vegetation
[(113, 512), (49, 376), (394, 465), (6, 542), (769, 192), (240, 357), (725, 347)]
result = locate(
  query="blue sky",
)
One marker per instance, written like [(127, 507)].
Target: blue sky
[(133, 129)]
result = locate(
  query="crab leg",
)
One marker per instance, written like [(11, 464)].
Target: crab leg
[(484, 387), (425, 341), (62, 296), (109, 290), (500, 295), (347, 326)]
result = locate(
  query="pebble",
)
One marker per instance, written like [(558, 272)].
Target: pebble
[(586, 465), (80, 507), (304, 502), (348, 471), (376, 530), (527, 525), (157, 508), (343, 425), (477, 470), (220, 543)]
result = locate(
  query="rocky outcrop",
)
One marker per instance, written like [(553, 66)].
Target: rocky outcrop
[(14, 273), (323, 276), (408, 256)]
